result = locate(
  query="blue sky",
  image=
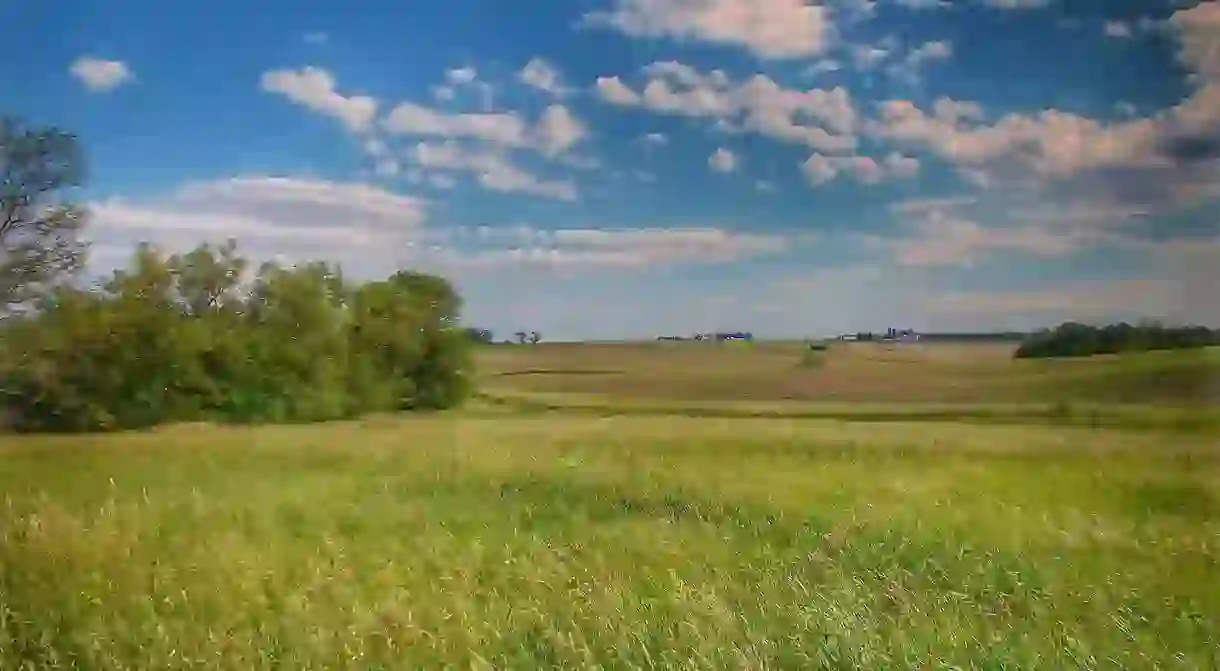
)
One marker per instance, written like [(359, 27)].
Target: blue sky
[(620, 168)]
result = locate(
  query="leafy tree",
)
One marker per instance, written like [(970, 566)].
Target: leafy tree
[(189, 337), (39, 242)]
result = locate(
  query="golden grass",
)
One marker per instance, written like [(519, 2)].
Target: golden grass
[(849, 373)]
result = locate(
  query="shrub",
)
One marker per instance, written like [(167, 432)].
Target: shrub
[(182, 339)]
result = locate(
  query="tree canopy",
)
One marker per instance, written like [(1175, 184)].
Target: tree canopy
[(39, 227), (183, 338), (202, 335)]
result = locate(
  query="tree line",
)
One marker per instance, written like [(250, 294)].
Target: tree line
[(1072, 339), (202, 335)]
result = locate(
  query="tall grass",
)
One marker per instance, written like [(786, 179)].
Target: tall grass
[(628, 542)]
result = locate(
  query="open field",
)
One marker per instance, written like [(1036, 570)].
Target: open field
[(625, 542), (641, 536), (858, 381)]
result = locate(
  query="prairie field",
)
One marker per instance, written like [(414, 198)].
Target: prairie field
[(723, 508)]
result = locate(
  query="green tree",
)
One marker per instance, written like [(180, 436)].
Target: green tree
[(39, 228)]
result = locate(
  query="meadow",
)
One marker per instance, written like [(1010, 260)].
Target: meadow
[(648, 506)]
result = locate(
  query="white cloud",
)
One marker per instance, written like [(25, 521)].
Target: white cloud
[(654, 139), (1156, 158), (821, 119), (909, 68), (940, 238), (1119, 29), (558, 130), (774, 29), (1016, 4), (722, 161), (867, 56), (314, 88), (902, 167), (462, 75), (503, 128), (615, 92), (100, 75), (819, 169), (298, 218), (541, 75), (924, 205), (372, 232), (823, 66), (493, 171)]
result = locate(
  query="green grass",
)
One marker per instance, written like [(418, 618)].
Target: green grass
[(519, 542), (648, 506)]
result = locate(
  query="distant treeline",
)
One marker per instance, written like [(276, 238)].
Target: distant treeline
[(1072, 339)]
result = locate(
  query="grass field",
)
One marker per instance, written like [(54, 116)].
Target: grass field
[(496, 538), (851, 373)]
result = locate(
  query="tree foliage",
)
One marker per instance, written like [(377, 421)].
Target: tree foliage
[(1072, 339), (39, 243), (198, 336)]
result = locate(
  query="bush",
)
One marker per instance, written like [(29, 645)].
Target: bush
[(182, 339), (1072, 339)]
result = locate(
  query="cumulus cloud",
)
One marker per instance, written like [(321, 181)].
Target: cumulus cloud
[(774, 30), (314, 89), (300, 219), (462, 75), (1172, 157), (615, 92), (722, 161), (867, 56), (492, 170), (823, 66), (942, 239), (541, 75), (820, 169), (99, 75), (556, 131), (654, 139), (1119, 29), (372, 231), (821, 119), (910, 68)]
